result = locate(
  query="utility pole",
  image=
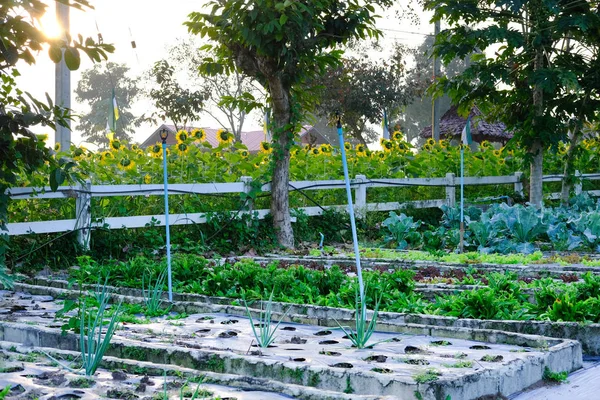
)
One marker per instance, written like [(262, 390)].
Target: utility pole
[(62, 88), (435, 106)]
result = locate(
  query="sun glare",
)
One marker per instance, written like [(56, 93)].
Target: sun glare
[(49, 25)]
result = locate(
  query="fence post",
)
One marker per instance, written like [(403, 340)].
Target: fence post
[(83, 215), (360, 196), (578, 184), (519, 183), (247, 181), (450, 190)]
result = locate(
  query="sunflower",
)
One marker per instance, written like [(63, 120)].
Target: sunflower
[(199, 135), (107, 155), (325, 148), (502, 161), (42, 137), (78, 152), (485, 144), (115, 144), (348, 146), (244, 153), (397, 136), (294, 152), (224, 136), (497, 153), (444, 143), (126, 164), (360, 150), (562, 148), (387, 145), (155, 149), (265, 147), (134, 147), (181, 136), (381, 155), (403, 146), (427, 146), (182, 148), (430, 142), (315, 151), (57, 146), (147, 179)]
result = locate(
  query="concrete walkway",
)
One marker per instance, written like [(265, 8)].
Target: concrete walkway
[(583, 385)]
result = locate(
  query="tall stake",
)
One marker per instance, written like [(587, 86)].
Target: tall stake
[(352, 220), (163, 137), (462, 198)]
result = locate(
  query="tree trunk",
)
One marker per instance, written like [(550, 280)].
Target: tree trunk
[(569, 172), (283, 139), (536, 173)]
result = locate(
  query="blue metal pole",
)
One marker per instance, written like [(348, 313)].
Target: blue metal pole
[(351, 212), (166, 183), (462, 199)]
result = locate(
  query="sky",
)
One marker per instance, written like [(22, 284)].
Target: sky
[(154, 25)]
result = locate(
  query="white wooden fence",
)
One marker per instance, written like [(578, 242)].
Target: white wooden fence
[(83, 195)]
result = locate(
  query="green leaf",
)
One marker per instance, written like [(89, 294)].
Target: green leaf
[(283, 19), (57, 178), (55, 53), (72, 58)]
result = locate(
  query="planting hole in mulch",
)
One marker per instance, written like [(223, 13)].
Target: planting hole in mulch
[(382, 370), (121, 394), (377, 358), (227, 334), (8, 370), (328, 342), (67, 396), (202, 331), (415, 350), (288, 328), (416, 361), (205, 318), (342, 365), (300, 359), (492, 358), (441, 343), (297, 340), (294, 349), (259, 325), (16, 390), (330, 353), (119, 376), (271, 346), (323, 333), (480, 347), (230, 321), (52, 379)]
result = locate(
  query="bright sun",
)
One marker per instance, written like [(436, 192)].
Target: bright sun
[(49, 25)]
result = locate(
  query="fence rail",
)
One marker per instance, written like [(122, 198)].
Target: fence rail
[(83, 221)]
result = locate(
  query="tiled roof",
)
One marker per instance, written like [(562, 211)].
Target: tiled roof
[(251, 139), (451, 125)]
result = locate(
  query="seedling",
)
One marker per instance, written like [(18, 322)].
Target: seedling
[(363, 329), (559, 377), (263, 331), (154, 293)]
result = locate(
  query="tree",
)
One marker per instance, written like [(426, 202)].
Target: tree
[(282, 44), (360, 90), (96, 88), (186, 56), (531, 83), (20, 150), (174, 102)]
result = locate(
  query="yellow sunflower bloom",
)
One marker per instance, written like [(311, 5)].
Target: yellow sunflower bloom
[(381, 156), (134, 147), (224, 137), (387, 145), (199, 135), (502, 161), (361, 150), (430, 142), (444, 143), (315, 151), (397, 136), (147, 179), (56, 146), (347, 146), (244, 153), (181, 136), (115, 144), (42, 137), (155, 149), (182, 148), (427, 146), (126, 164), (325, 148), (107, 155), (265, 147), (485, 144), (497, 153)]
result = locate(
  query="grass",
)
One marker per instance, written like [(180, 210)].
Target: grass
[(153, 294), (430, 375), (460, 364), (558, 377)]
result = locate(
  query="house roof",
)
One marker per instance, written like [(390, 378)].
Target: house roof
[(251, 139), (452, 124)]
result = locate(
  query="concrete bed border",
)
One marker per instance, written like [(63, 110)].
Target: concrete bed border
[(558, 355), (587, 334)]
